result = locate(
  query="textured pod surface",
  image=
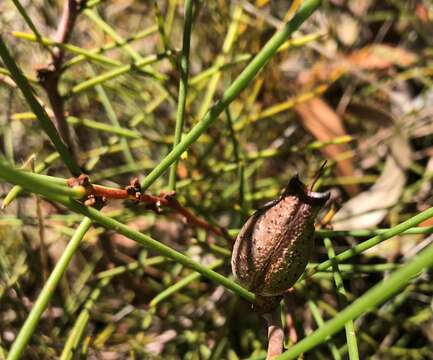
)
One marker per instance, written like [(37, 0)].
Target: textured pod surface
[(274, 245)]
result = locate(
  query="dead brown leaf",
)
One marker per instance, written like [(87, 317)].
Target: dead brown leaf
[(324, 124), (369, 208)]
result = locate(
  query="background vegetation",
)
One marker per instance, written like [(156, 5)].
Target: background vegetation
[(119, 86)]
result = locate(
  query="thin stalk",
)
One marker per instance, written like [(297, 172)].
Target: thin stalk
[(80, 324), (40, 112), (180, 285), (323, 233), (109, 75), (365, 245), (374, 297), (319, 321), (220, 60), (364, 268), (99, 22), (37, 182), (69, 47), (47, 292), (29, 22), (129, 267), (352, 345), (16, 190), (140, 35), (183, 87), (129, 158), (239, 84), (82, 320), (96, 125), (240, 166)]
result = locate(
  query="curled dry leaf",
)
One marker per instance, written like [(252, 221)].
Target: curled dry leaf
[(373, 57), (368, 209)]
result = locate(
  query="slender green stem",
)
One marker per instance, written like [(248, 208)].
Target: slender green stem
[(239, 84), (365, 245), (47, 292), (96, 125), (80, 324), (86, 54), (364, 268), (180, 285), (240, 167), (220, 61), (183, 87), (104, 278), (352, 345), (194, 80), (37, 182), (93, 15), (15, 176), (28, 20), (106, 103), (322, 233), (40, 112), (140, 35), (374, 297), (130, 267), (319, 321), (99, 22), (109, 75), (16, 190)]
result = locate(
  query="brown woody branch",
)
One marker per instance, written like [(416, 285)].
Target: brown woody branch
[(49, 75), (156, 203)]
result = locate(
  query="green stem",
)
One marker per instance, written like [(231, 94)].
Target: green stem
[(239, 84), (183, 87), (16, 190), (106, 103), (140, 35), (220, 60), (86, 54), (47, 292), (28, 21), (374, 297), (40, 112), (315, 312), (352, 345), (41, 183), (96, 125), (323, 233), (99, 22), (80, 324), (180, 285), (75, 335), (360, 248), (109, 75)]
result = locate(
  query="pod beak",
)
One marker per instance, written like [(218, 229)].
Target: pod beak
[(298, 188)]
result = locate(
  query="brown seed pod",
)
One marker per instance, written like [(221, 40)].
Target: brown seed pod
[(274, 245)]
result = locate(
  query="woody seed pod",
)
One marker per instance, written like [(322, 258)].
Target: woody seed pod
[(274, 245)]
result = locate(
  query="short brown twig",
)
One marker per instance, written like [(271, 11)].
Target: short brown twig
[(153, 202), (275, 334)]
